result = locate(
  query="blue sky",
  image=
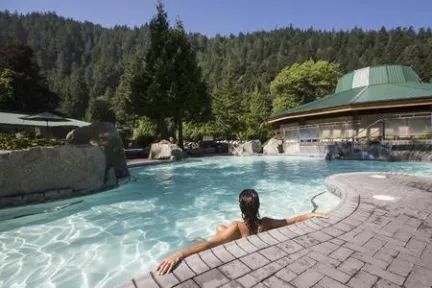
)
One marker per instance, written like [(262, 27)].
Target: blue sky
[(233, 16)]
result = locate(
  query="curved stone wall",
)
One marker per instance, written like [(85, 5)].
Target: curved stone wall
[(48, 173)]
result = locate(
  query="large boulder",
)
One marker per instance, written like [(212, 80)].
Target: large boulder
[(105, 136), (273, 147), (48, 173), (246, 148), (165, 150), (235, 148), (252, 147)]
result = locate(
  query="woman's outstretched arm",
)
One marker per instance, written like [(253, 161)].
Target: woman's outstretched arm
[(275, 223), (232, 232)]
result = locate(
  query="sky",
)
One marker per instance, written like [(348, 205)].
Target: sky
[(211, 17)]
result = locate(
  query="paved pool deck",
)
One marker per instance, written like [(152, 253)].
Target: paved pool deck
[(380, 235)]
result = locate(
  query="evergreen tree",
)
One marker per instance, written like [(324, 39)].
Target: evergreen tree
[(256, 113), (153, 94), (99, 109), (171, 85), (128, 91), (62, 46), (23, 88), (76, 97), (227, 109), (188, 98)]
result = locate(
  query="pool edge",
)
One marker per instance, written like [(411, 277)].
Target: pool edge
[(354, 228)]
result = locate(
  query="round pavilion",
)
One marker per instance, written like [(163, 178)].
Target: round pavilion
[(387, 102)]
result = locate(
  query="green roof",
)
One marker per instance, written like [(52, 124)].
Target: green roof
[(369, 85), (385, 74)]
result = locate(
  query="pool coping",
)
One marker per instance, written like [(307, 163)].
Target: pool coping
[(344, 250)]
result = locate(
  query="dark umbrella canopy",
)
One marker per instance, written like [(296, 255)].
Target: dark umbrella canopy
[(45, 116)]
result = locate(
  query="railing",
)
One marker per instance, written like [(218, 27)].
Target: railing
[(355, 138), (409, 126)]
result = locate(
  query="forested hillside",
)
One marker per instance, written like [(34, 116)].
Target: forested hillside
[(86, 60)]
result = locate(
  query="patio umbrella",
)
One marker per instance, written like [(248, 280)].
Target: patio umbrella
[(45, 116)]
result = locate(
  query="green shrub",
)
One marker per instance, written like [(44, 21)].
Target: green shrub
[(145, 133), (8, 142), (196, 131)]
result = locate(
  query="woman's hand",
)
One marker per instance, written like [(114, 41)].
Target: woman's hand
[(319, 215), (168, 264)]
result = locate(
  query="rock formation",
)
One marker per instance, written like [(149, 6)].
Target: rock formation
[(106, 136), (235, 148), (247, 148), (165, 150), (46, 173), (273, 147), (93, 160), (252, 147)]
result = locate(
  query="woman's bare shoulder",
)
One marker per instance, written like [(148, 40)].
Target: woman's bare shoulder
[(232, 231), (235, 225), (231, 227)]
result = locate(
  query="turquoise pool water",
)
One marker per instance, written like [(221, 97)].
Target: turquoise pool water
[(104, 239)]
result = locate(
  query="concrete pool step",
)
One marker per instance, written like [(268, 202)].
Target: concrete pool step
[(379, 235)]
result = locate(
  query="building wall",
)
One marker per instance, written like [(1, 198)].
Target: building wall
[(395, 126)]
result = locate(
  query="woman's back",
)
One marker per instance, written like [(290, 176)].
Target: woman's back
[(264, 225)]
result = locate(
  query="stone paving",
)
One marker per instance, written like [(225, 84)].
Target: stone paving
[(380, 235)]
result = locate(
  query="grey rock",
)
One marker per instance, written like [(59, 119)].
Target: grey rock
[(106, 136), (248, 148), (164, 150), (252, 147), (273, 147), (63, 168), (235, 148)]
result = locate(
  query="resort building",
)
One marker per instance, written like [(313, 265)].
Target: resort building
[(385, 103)]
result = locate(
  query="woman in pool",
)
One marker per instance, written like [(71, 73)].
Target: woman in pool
[(252, 224)]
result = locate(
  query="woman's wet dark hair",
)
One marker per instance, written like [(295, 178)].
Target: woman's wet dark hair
[(249, 206)]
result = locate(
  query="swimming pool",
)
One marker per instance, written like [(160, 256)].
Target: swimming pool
[(104, 239)]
